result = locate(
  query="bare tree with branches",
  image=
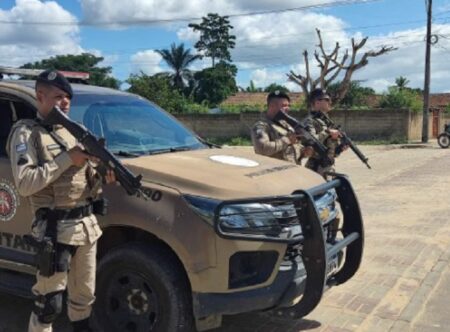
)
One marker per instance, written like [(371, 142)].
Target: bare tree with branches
[(331, 65)]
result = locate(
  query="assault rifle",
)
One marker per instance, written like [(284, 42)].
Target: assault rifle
[(94, 146), (306, 137), (345, 140)]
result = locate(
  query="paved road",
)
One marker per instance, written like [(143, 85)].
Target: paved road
[(403, 283)]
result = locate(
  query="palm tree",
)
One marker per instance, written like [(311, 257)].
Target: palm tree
[(401, 82), (178, 59)]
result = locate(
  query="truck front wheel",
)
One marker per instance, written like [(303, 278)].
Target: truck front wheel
[(142, 288)]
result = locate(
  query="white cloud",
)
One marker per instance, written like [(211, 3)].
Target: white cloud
[(274, 42), (147, 10), (408, 60), (141, 10), (147, 61), (21, 43), (281, 38), (263, 77), (109, 60), (277, 38)]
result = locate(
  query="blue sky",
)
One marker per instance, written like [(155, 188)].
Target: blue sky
[(268, 45)]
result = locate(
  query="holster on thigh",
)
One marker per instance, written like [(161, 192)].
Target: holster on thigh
[(64, 254)]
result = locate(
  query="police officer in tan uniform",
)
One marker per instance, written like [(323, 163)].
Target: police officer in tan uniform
[(273, 140), (59, 179), (320, 103)]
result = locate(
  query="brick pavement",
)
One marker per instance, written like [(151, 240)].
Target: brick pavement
[(403, 283), (405, 266)]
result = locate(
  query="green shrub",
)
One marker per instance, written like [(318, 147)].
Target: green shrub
[(235, 141), (241, 108), (402, 98), (191, 107)]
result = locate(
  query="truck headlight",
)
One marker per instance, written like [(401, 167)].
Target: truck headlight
[(251, 220), (277, 221), (326, 206)]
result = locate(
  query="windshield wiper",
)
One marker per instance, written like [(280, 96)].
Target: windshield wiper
[(126, 154), (169, 150), (209, 144)]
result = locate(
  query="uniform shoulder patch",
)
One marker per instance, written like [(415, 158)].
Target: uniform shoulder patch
[(28, 123), (260, 125), (22, 147), (260, 129)]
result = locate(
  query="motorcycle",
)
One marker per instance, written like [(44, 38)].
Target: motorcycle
[(444, 138)]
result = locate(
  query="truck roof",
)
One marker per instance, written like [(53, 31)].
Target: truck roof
[(78, 88)]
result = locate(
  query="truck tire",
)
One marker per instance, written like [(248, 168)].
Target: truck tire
[(443, 140), (142, 288)]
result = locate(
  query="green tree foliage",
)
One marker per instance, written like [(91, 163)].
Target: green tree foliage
[(178, 59), (215, 84), (402, 98), (215, 39), (157, 88), (356, 95), (401, 82), (252, 87), (274, 87), (85, 62)]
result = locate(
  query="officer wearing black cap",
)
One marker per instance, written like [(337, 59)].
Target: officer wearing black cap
[(273, 140), (53, 172), (320, 106)]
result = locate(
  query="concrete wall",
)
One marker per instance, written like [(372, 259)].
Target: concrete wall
[(359, 125)]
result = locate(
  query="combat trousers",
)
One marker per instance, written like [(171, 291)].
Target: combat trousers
[(314, 164), (80, 284)]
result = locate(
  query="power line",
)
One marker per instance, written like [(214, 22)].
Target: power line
[(181, 19), (265, 38)]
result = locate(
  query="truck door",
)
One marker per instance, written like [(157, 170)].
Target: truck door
[(15, 212)]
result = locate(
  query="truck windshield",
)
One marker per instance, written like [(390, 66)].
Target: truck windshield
[(131, 125)]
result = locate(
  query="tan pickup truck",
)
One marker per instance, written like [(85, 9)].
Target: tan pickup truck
[(223, 231)]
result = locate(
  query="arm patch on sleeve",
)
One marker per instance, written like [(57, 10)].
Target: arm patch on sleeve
[(22, 147)]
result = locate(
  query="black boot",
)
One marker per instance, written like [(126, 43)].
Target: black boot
[(81, 326)]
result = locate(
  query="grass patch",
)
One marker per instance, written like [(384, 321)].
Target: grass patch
[(234, 141), (245, 141), (383, 141)]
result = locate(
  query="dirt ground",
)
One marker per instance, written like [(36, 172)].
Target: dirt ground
[(403, 283)]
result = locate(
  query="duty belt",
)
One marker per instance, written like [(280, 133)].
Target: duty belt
[(60, 214)]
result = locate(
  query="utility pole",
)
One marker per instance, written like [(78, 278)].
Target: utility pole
[(426, 88)]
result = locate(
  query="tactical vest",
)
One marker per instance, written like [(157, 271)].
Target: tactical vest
[(73, 187), (290, 153), (321, 129)]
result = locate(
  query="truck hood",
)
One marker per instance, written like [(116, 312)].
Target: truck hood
[(227, 173)]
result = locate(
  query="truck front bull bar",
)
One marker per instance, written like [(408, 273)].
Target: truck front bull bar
[(316, 252)]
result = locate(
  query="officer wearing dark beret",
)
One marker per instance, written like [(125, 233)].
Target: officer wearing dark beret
[(56, 79)]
